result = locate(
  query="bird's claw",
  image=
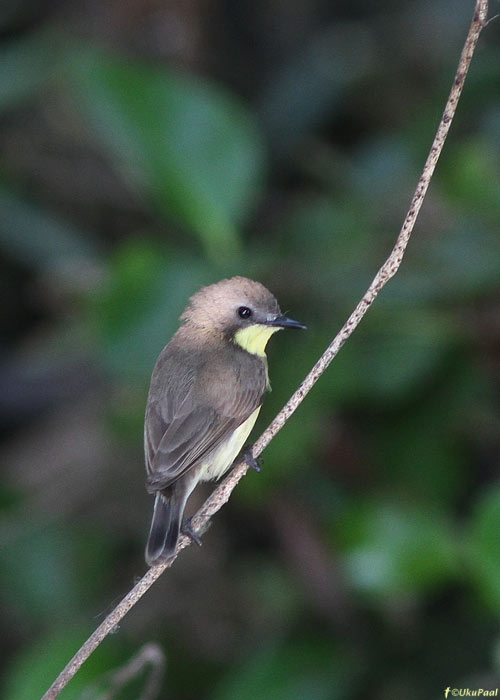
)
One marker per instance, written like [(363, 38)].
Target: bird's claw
[(187, 529), (253, 462)]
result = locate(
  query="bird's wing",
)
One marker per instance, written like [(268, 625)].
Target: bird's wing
[(178, 436)]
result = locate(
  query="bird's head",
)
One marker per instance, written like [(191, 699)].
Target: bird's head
[(239, 309)]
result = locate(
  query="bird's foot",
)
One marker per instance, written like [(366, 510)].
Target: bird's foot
[(187, 529), (253, 462)]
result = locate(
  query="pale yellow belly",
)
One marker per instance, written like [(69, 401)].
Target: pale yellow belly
[(220, 461)]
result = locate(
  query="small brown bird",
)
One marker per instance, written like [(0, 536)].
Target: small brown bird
[(206, 392)]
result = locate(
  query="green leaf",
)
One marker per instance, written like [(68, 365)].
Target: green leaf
[(192, 148), (395, 549), (417, 448), (482, 549), (39, 239), (307, 669), (37, 666), (390, 355), (47, 572), (472, 179), (136, 312)]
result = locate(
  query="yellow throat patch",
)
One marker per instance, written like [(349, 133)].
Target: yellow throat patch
[(254, 338)]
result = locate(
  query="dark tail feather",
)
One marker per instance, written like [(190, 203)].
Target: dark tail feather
[(165, 528)]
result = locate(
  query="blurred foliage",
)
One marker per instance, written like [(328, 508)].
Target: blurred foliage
[(192, 148), (147, 150)]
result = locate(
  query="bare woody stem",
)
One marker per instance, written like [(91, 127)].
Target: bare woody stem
[(222, 493)]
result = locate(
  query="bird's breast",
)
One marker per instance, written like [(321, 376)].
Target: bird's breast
[(214, 466)]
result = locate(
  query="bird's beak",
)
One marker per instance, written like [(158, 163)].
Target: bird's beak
[(282, 321)]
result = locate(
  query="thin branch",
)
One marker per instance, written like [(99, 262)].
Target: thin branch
[(221, 494)]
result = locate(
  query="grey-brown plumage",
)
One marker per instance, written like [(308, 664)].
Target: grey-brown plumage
[(207, 387)]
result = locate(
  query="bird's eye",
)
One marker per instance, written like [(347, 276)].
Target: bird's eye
[(244, 312)]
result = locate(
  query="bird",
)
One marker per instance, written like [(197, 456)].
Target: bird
[(206, 391)]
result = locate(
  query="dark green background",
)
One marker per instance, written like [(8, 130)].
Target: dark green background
[(148, 148)]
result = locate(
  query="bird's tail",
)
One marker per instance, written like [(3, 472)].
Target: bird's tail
[(165, 527)]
